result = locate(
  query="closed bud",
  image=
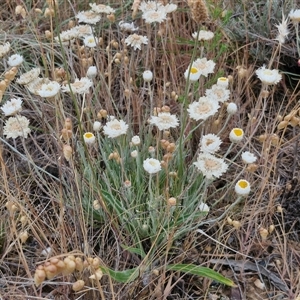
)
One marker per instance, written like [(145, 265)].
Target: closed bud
[(67, 150), (66, 134), (49, 12), (262, 138), (236, 224), (78, 264), (271, 228), (111, 18), (263, 232), (294, 121), (229, 221), (78, 285), (39, 276), (282, 125), (97, 275), (51, 271), (24, 236), (69, 266), (171, 147), (172, 201), (265, 94)]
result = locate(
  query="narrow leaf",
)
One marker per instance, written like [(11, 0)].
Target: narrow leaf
[(121, 276)]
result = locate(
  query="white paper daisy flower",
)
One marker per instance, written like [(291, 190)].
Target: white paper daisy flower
[(66, 35), (136, 41), (170, 7), (236, 135), (205, 66), (88, 17), (192, 74), (268, 76), (295, 15), (12, 107), (150, 5), (82, 30), (4, 49), (218, 93), (210, 166), (152, 165), (210, 143), (48, 90), (115, 128), (152, 16), (79, 86), (203, 35), (203, 207), (89, 138), (136, 140), (248, 157), (164, 121), (202, 109), (16, 126), (29, 76), (102, 9), (127, 26), (15, 60), (90, 41), (242, 187)]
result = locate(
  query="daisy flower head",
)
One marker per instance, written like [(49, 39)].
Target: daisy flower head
[(203, 35), (115, 128), (127, 26), (210, 166), (147, 76), (150, 5), (67, 35), (205, 66), (136, 140), (242, 187), (135, 41), (16, 126), (202, 109), (152, 165), (283, 31), (218, 93), (236, 135), (29, 76), (295, 15), (192, 74), (170, 7), (268, 76), (152, 16), (91, 72), (88, 17), (82, 30), (248, 157), (204, 207), (4, 49), (89, 138), (15, 60), (223, 81), (210, 143), (79, 86), (90, 41), (97, 126), (231, 108), (164, 121), (102, 9), (48, 90), (12, 107)]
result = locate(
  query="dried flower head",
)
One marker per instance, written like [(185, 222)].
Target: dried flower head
[(48, 90), (150, 5), (135, 41), (210, 166), (152, 16), (102, 9), (283, 31), (16, 126), (115, 128), (12, 107), (198, 10)]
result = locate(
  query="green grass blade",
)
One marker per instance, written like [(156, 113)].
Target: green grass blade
[(122, 276)]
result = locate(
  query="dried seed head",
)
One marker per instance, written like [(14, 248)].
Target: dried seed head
[(263, 232), (172, 201), (282, 125), (198, 10), (78, 264), (39, 275), (236, 224), (24, 236), (271, 228), (78, 285), (67, 150)]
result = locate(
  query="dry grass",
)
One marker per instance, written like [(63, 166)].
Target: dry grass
[(51, 199)]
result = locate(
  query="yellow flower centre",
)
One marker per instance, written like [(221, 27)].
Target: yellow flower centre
[(224, 79), (88, 135), (238, 132), (243, 184), (152, 163), (194, 70), (268, 72)]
